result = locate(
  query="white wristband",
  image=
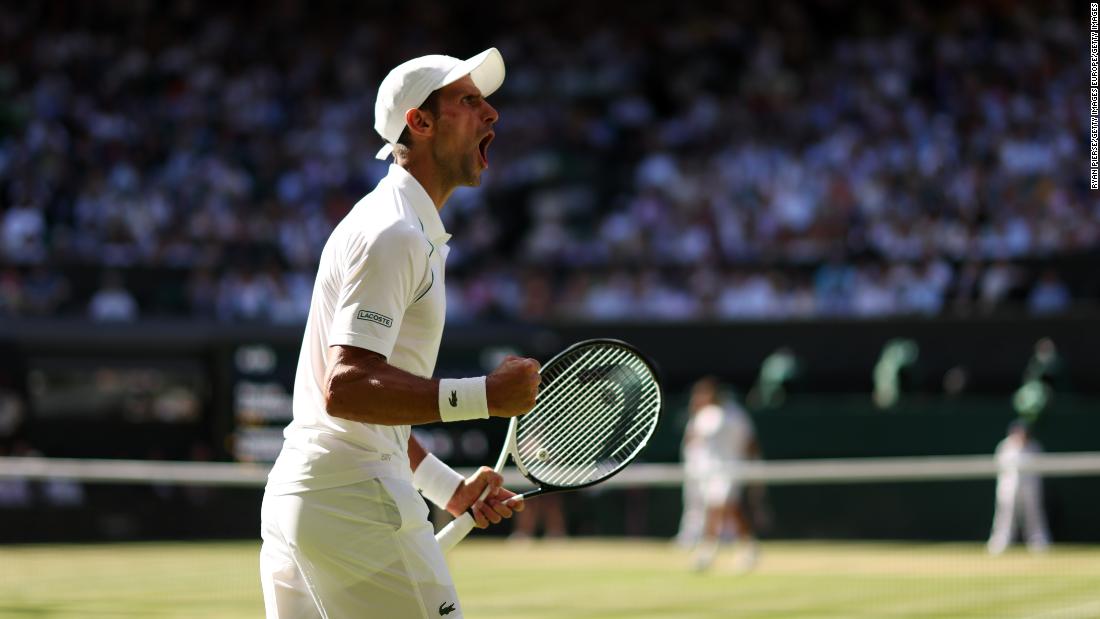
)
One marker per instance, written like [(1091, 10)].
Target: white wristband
[(463, 398), (436, 481)]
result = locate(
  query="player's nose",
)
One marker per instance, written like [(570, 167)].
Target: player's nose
[(489, 113)]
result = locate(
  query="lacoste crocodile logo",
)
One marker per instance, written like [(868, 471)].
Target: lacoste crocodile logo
[(445, 608), (453, 399)]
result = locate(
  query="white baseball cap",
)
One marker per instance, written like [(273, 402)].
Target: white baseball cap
[(408, 85)]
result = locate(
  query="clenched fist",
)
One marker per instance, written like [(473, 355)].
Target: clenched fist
[(511, 388)]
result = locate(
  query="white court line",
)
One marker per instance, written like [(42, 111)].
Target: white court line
[(1086, 610)]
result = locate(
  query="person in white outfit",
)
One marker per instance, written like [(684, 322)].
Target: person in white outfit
[(718, 439), (1019, 494), (345, 533)]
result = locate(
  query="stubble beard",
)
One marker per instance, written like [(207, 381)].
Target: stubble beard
[(457, 170), (467, 173)]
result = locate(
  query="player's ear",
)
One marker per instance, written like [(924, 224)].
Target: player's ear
[(420, 122)]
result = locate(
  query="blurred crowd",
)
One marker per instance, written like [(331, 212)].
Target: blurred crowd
[(675, 161)]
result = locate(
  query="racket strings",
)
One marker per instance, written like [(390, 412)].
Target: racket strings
[(589, 445), (606, 453), (555, 403), (597, 408), (558, 404), (592, 455)]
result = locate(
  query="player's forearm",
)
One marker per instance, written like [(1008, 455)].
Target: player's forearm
[(753, 452), (417, 453), (362, 386)]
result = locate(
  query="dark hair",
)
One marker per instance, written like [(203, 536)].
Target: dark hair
[(708, 383), (431, 104)]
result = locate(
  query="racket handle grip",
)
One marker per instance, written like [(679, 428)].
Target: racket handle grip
[(450, 535)]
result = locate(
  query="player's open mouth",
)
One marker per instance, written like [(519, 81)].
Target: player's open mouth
[(483, 148)]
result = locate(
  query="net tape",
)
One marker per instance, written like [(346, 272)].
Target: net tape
[(774, 472)]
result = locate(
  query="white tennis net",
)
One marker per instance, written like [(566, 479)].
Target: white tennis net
[(640, 474)]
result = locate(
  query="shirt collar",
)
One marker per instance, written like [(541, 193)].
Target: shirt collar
[(421, 203)]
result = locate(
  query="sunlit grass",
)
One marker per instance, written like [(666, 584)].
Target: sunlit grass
[(584, 579)]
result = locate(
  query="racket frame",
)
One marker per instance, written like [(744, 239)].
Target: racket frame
[(454, 532)]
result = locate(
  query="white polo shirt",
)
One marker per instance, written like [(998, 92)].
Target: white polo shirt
[(379, 287), (721, 439)]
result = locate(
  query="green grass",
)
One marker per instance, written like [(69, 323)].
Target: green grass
[(584, 579)]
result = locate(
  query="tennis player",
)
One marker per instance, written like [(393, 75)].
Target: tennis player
[(718, 439), (1019, 493), (345, 533)]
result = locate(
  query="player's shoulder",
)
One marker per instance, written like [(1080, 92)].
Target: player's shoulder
[(734, 408), (377, 221), (399, 238)]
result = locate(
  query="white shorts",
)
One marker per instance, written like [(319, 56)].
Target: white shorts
[(364, 550)]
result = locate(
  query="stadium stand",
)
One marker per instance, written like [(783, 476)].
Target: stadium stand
[(684, 160)]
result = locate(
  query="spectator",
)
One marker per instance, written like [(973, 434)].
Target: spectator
[(193, 147), (112, 302), (45, 291), (998, 281), (11, 292), (22, 234), (1050, 295)]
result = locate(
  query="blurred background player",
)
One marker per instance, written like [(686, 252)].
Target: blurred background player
[(1019, 493), (719, 436)]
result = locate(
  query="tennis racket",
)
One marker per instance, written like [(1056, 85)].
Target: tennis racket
[(597, 406)]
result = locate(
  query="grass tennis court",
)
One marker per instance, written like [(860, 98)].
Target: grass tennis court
[(584, 579)]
